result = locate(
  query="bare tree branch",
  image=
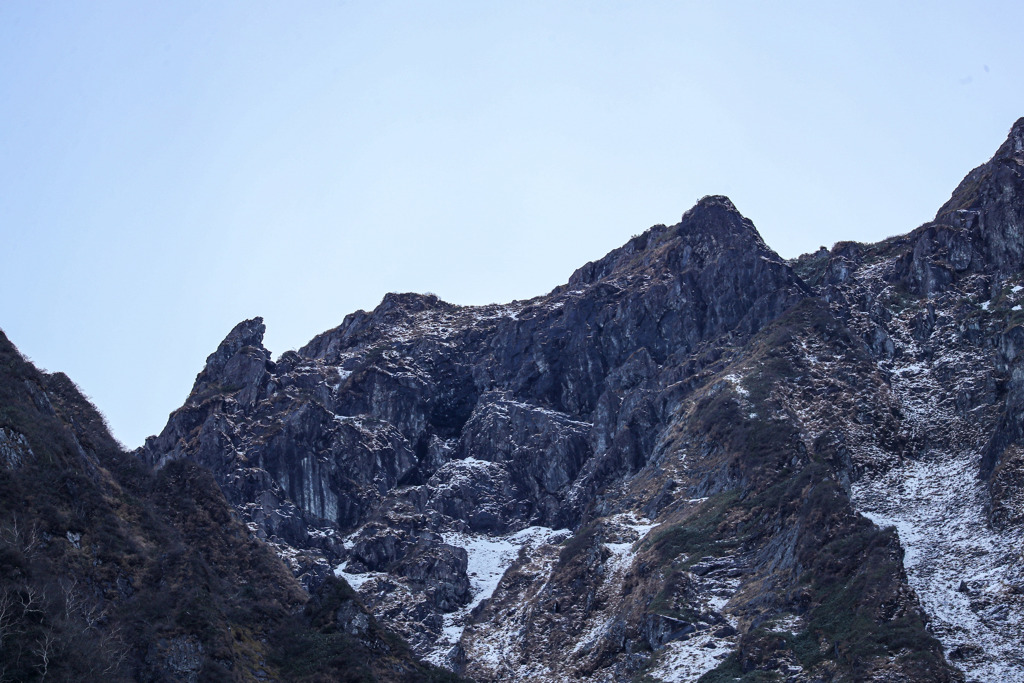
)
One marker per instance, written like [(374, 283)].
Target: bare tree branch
[(46, 648)]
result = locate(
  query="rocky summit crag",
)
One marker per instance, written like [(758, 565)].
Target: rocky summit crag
[(694, 461)]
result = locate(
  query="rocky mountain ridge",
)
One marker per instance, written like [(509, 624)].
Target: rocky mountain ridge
[(668, 468), (694, 461)]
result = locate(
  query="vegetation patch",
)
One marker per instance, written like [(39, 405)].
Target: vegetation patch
[(700, 534), (578, 543), (323, 643), (731, 671)]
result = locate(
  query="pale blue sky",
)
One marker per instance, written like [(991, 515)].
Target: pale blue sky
[(168, 169)]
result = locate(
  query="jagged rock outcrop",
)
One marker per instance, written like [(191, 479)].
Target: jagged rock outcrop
[(110, 571)]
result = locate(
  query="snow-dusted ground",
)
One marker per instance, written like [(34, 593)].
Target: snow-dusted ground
[(737, 383), (494, 646), (633, 529), (683, 661), (679, 661), (489, 557), (965, 574), (357, 581)]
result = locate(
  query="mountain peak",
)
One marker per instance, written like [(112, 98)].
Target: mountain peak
[(246, 333), (715, 216), (986, 206), (653, 470), (240, 359), (1014, 144), (411, 302), (708, 229), (1003, 169), (713, 201)]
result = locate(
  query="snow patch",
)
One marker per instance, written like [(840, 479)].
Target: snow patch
[(965, 574), (616, 567), (630, 520), (357, 581), (489, 557), (682, 661), (737, 384), (789, 623), (456, 473)]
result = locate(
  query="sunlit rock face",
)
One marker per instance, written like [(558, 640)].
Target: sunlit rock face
[(693, 459)]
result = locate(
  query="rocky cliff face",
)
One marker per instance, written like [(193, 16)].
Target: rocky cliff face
[(695, 460)]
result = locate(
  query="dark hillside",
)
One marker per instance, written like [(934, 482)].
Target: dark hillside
[(109, 571)]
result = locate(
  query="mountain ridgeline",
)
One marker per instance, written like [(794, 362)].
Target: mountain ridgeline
[(696, 460)]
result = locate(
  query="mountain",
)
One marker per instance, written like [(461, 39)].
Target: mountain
[(694, 461), (111, 571)]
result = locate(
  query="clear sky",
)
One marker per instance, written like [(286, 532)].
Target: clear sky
[(168, 169)]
